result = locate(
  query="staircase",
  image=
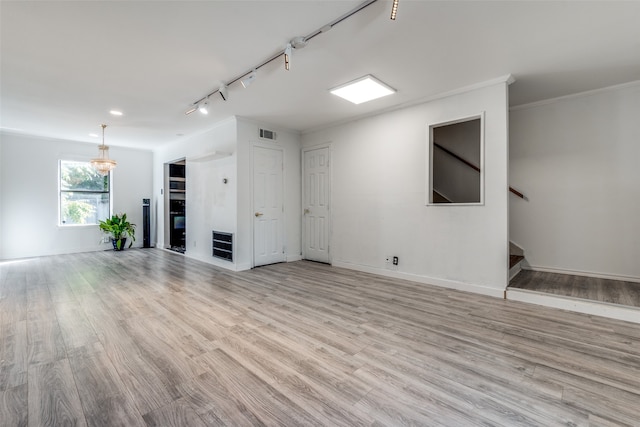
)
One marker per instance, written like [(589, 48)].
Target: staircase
[(516, 256), (439, 198)]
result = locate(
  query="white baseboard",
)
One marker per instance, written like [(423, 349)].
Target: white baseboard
[(513, 271), (227, 265), (243, 267), (603, 309), (582, 273), (292, 257), (451, 284)]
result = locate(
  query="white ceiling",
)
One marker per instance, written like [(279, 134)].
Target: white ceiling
[(65, 64)]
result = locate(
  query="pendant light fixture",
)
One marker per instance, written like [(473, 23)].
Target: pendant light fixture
[(103, 164)]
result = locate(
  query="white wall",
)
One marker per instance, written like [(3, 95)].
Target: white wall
[(211, 204), (29, 195), (577, 161), (289, 142), (378, 196)]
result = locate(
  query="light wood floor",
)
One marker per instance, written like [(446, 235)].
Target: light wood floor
[(588, 288), (148, 337)]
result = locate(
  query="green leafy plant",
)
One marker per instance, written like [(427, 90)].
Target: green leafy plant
[(119, 228), (77, 211)]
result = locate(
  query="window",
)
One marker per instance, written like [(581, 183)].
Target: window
[(84, 194), (456, 162)]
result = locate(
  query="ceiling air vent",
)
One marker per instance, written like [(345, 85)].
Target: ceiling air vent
[(267, 134)]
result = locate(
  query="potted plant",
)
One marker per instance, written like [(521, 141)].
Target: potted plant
[(119, 228)]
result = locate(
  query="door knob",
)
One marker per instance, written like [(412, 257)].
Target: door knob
[(306, 211), (258, 214)]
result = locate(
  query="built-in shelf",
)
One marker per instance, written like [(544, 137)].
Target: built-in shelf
[(176, 207)]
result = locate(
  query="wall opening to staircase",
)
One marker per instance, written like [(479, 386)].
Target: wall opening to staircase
[(456, 162)]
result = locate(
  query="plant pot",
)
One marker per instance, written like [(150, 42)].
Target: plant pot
[(119, 247)]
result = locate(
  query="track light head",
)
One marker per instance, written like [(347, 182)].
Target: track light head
[(191, 110), (248, 79), (224, 93), (204, 106), (394, 9), (287, 56)]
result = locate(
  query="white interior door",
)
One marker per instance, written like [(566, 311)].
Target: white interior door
[(316, 192), (268, 205)]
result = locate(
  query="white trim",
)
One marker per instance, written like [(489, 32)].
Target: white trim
[(53, 252), (596, 308), (292, 257), (443, 283), (508, 79), (62, 226), (583, 273), (513, 271), (227, 265), (429, 164), (575, 95)]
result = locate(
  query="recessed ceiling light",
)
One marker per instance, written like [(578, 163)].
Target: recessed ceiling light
[(115, 113), (364, 89), (93, 135)]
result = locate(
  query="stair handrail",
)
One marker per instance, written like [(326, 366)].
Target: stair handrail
[(472, 166)]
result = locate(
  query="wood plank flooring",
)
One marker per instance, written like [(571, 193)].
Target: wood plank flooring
[(587, 288), (151, 338)]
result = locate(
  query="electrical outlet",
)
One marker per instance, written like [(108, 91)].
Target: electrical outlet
[(105, 240), (395, 260), (387, 262)]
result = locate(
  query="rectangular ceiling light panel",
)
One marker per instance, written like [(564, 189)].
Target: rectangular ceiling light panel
[(364, 89)]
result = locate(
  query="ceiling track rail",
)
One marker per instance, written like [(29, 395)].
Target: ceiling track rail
[(277, 55)]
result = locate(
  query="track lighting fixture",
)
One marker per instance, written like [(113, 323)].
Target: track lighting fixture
[(394, 9), (224, 94), (204, 106), (250, 78), (299, 42), (287, 56)]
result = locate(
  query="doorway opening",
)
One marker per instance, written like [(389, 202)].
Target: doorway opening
[(456, 162), (175, 217)]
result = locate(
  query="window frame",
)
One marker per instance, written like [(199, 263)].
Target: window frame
[(109, 191), (430, 157)]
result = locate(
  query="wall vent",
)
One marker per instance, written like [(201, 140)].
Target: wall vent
[(267, 134), (222, 245)]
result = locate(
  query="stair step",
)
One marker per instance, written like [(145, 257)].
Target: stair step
[(514, 260)]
